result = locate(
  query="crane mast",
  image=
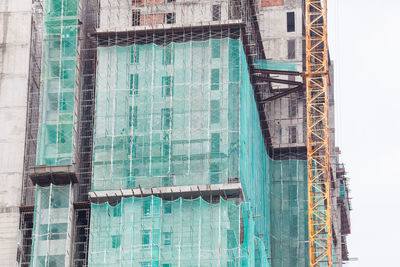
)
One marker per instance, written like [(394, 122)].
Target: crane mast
[(317, 87)]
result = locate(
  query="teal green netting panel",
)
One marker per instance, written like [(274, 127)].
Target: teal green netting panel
[(275, 65), (55, 137), (152, 232), (51, 231), (254, 174), (289, 213), (167, 115)]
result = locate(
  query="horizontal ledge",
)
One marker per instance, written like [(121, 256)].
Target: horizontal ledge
[(207, 192), (44, 175), (169, 27)]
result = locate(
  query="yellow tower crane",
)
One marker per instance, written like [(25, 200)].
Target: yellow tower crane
[(317, 86)]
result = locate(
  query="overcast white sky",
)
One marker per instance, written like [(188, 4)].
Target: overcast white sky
[(364, 41)]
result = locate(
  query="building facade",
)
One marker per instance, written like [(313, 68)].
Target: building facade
[(157, 135)]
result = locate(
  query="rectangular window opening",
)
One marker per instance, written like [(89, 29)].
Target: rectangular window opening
[(145, 237), (135, 17), (133, 116), (292, 134), (134, 54), (291, 48), (166, 118), (292, 107), (169, 18), (215, 140), (167, 86), (215, 48), (117, 212), (116, 241), (216, 12), (146, 209), (167, 55), (214, 79), (166, 238), (167, 208), (290, 22), (214, 111)]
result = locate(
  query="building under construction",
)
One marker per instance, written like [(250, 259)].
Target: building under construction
[(169, 133)]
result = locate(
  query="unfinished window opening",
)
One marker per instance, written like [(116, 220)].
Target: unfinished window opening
[(167, 56), (166, 236), (292, 134), (215, 139), (166, 118), (169, 18), (145, 237), (291, 48), (134, 55), (290, 22), (214, 111), (292, 106), (293, 226), (215, 48), (135, 17), (216, 12), (167, 86), (146, 209), (134, 83), (170, 1), (234, 11), (165, 145), (133, 116), (231, 239), (167, 208), (116, 241), (215, 79), (293, 195), (214, 175)]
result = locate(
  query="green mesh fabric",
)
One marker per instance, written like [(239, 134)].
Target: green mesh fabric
[(51, 231), (183, 114), (152, 232), (55, 137), (162, 114), (289, 213), (275, 64)]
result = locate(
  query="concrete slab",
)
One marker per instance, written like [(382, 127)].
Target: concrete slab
[(207, 192)]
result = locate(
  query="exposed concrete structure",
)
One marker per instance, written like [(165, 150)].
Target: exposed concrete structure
[(15, 28), (101, 24), (281, 26)]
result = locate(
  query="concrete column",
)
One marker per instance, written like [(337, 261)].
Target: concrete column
[(15, 32)]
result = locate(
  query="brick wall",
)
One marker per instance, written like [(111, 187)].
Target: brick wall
[(266, 3)]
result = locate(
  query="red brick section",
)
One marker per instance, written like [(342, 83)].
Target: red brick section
[(151, 19), (146, 2), (272, 2)]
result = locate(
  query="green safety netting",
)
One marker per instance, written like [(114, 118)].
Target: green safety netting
[(181, 114), (51, 237), (55, 137), (153, 232), (289, 213), (275, 64), (167, 115)]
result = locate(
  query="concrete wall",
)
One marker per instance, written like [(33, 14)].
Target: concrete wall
[(117, 15), (275, 37), (15, 26)]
